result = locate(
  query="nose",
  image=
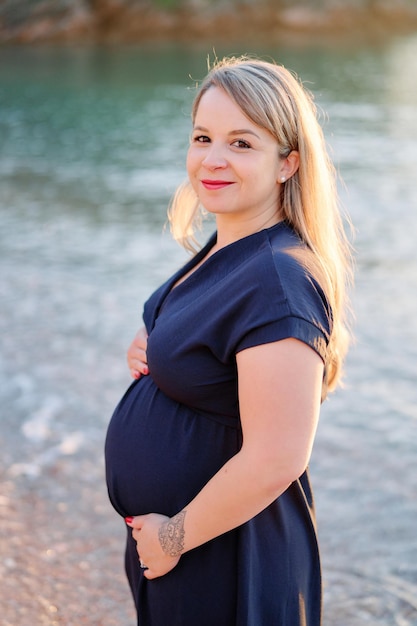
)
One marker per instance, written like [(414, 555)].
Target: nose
[(214, 157)]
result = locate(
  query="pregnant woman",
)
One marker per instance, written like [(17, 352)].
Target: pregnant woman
[(207, 452)]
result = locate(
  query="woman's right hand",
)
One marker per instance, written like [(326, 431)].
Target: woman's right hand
[(136, 354)]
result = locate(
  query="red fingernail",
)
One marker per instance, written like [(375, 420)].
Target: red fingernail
[(146, 370), (128, 520), (136, 375)]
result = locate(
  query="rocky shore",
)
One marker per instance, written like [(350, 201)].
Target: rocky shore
[(132, 21)]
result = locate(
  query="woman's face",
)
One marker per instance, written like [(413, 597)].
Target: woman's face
[(233, 164)]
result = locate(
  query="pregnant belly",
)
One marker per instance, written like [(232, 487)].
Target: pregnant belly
[(159, 453)]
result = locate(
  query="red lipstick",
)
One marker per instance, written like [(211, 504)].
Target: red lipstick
[(215, 184)]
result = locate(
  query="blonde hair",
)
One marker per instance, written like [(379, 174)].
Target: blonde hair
[(271, 97)]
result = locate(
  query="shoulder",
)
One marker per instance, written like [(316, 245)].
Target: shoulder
[(284, 268), (283, 286), (299, 275)]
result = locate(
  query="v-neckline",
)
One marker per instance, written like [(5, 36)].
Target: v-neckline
[(173, 291), (195, 264), (200, 260)]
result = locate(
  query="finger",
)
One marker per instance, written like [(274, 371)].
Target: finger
[(137, 352), (141, 365), (136, 361), (135, 522), (137, 372)]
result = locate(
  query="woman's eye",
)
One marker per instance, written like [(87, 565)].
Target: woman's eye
[(201, 139), (240, 143)]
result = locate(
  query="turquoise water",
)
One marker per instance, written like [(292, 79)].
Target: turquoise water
[(92, 145)]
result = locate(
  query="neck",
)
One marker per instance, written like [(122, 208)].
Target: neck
[(229, 231)]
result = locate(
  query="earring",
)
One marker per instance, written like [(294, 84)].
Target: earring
[(283, 179)]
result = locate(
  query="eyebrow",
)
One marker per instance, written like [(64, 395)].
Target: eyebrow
[(239, 131)]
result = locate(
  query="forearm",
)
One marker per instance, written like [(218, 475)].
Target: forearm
[(234, 495)]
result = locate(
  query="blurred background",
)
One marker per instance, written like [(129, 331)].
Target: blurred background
[(94, 126)]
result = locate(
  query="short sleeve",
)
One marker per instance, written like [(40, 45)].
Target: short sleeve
[(287, 303)]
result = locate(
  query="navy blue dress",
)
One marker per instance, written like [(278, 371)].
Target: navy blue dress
[(175, 428)]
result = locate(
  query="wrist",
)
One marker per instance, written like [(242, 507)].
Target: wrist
[(171, 535)]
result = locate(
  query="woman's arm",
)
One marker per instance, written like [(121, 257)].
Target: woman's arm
[(279, 398)]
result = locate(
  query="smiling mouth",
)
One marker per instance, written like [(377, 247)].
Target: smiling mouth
[(215, 184)]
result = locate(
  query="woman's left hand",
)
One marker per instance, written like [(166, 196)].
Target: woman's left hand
[(136, 354), (146, 534)]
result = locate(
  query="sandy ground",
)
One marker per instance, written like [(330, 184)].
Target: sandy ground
[(61, 543)]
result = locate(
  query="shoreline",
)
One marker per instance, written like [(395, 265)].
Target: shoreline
[(118, 24)]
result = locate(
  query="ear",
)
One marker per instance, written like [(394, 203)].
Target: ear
[(288, 166)]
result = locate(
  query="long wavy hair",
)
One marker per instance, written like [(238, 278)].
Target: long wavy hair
[(274, 99)]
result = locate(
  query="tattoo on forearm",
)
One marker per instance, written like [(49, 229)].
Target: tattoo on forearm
[(171, 535)]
